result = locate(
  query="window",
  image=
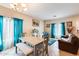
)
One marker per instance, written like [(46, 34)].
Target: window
[(57, 30)]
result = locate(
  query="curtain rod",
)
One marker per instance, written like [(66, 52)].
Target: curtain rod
[(11, 17)]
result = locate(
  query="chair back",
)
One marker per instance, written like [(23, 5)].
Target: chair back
[(45, 46), (45, 35), (39, 48)]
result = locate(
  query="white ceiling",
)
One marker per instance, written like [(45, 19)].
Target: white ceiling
[(47, 11)]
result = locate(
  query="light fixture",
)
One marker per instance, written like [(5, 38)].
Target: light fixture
[(19, 7), (54, 16)]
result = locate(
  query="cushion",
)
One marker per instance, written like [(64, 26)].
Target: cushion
[(74, 39), (65, 36), (24, 48)]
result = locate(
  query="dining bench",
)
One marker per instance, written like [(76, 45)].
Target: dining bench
[(27, 50)]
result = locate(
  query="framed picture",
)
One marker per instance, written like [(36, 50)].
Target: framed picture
[(35, 22), (69, 24), (77, 31), (47, 25)]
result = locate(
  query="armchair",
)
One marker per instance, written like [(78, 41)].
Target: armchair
[(71, 47)]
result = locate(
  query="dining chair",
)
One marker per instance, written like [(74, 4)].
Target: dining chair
[(45, 47), (39, 48), (46, 38), (42, 48)]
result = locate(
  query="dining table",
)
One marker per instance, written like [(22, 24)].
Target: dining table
[(32, 41)]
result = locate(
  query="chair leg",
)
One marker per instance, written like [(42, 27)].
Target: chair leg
[(16, 49), (47, 52)]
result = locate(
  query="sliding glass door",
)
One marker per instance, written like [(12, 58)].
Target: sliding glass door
[(7, 33), (1, 33), (57, 30), (10, 31)]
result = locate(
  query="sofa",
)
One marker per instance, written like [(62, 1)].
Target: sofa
[(71, 47)]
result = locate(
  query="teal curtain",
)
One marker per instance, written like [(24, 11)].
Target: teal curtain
[(53, 30), (1, 33), (62, 29), (18, 29), (21, 27)]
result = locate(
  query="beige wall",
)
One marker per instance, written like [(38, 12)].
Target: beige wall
[(27, 20), (40, 27), (27, 23), (74, 19)]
